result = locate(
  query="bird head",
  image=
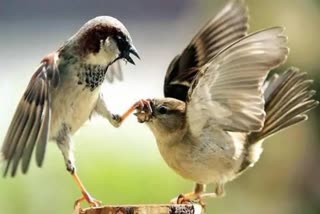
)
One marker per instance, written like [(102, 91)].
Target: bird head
[(102, 41), (165, 116)]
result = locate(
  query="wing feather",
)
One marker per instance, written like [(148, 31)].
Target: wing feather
[(30, 123), (27, 127), (229, 25), (33, 136), (15, 137), (43, 135), (229, 89)]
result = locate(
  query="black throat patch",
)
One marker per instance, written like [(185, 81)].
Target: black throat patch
[(92, 76)]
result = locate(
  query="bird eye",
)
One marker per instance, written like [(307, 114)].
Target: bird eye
[(163, 110)]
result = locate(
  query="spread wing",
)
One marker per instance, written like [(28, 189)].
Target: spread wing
[(229, 25), (30, 124), (114, 72), (228, 93)]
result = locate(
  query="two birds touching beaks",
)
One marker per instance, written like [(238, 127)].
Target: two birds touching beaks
[(209, 128)]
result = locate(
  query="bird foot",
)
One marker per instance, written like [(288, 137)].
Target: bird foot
[(116, 120), (144, 105), (143, 116), (87, 197), (144, 111), (189, 198)]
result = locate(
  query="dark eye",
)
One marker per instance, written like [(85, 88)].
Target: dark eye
[(163, 110), (121, 42)]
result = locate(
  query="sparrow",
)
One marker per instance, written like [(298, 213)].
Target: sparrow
[(212, 131), (63, 93), (227, 26)]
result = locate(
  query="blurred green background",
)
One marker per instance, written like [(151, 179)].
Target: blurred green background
[(123, 166)]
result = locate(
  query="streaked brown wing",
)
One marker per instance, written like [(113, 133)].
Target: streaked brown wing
[(228, 94), (30, 124), (229, 25)]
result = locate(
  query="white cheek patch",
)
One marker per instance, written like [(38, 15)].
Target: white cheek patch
[(109, 45), (107, 53)]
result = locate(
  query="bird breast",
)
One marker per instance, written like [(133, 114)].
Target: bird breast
[(211, 158), (72, 104)]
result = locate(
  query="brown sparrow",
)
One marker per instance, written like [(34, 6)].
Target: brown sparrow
[(62, 94), (215, 132)]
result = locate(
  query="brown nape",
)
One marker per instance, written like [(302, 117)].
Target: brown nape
[(91, 36)]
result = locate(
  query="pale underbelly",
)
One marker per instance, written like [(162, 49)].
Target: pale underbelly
[(71, 107), (203, 173), (201, 166)]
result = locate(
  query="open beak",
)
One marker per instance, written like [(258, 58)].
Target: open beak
[(131, 50)]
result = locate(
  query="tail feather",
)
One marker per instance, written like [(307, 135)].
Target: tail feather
[(287, 98)]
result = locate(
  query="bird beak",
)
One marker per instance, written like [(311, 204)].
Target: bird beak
[(131, 50), (134, 51)]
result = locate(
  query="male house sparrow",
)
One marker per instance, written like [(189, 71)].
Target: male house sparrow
[(62, 94), (213, 130)]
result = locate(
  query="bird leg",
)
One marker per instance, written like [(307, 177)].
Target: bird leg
[(65, 145), (85, 194), (219, 192), (198, 194), (101, 109), (116, 119), (195, 196)]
